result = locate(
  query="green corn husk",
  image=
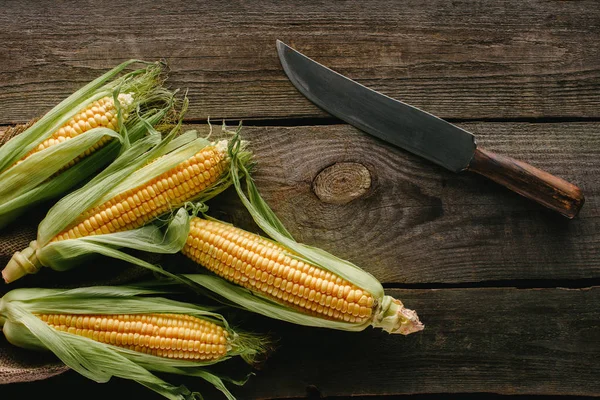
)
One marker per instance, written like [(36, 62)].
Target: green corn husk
[(41, 176), (128, 171), (389, 314), (100, 361)]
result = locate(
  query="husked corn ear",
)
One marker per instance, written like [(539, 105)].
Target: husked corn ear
[(136, 207), (162, 335), (101, 113), (268, 268)]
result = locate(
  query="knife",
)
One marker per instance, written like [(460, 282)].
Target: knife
[(422, 133)]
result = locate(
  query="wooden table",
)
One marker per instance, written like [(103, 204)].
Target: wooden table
[(507, 290)]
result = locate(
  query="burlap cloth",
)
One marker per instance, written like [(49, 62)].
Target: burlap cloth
[(18, 365)]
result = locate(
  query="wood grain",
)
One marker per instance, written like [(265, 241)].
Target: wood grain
[(488, 340), (418, 223), (469, 59), (543, 342), (400, 217), (342, 182)]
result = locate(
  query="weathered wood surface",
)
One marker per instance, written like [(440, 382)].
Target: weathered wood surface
[(488, 340), (476, 340), (417, 222), (411, 223), (468, 59)]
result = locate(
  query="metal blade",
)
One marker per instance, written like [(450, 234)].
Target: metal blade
[(379, 115)]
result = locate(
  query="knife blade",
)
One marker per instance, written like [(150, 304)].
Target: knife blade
[(422, 133)]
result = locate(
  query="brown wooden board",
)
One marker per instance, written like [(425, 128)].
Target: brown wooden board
[(495, 340), (468, 59), (482, 266), (415, 222), (488, 340), (408, 221)]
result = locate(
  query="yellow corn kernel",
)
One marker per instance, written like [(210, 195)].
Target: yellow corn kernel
[(270, 269), (204, 340), (100, 113)]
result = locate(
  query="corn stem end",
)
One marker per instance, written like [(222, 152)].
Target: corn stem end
[(22, 263)]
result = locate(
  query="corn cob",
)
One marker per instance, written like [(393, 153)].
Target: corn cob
[(163, 335), (269, 268), (136, 207), (281, 278), (74, 140), (149, 334), (101, 113)]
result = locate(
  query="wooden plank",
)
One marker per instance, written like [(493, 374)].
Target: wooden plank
[(408, 221), (507, 341), (449, 58), (414, 222), (485, 340)]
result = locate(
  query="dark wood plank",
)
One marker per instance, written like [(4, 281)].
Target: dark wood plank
[(487, 340), (415, 222), (408, 221), (467, 59), (508, 341)]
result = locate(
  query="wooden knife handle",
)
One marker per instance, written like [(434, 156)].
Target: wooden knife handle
[(535, 184)]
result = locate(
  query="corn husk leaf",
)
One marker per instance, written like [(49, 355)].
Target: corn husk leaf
[(57, 185), (66, 254), (22, 177), (100, 361), (37, 178), (21, 144)]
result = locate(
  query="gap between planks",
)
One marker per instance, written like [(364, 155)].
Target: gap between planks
[(326, 121), (575, 284)]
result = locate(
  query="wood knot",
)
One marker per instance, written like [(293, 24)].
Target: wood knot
[(342, 182)]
